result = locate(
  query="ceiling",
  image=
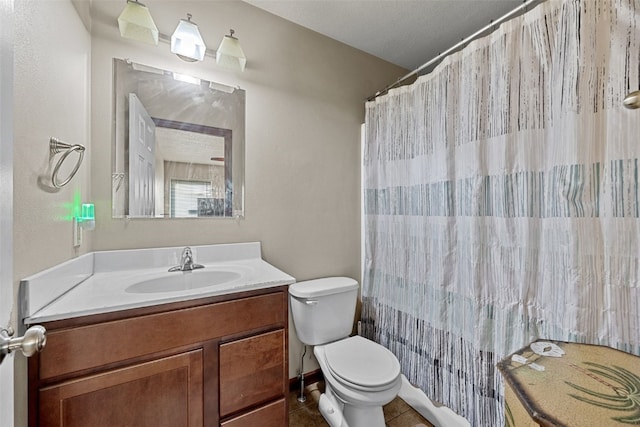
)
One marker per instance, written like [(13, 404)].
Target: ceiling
[(182, 146), (407, 33)]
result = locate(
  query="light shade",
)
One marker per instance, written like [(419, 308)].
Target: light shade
[(135, 22), (230, 54), (186, 41)]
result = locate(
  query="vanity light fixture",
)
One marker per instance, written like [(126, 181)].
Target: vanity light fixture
[(186, 41), (135, 22), (229, 54)]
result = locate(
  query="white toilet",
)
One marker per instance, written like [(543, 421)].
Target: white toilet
[(360, 375)]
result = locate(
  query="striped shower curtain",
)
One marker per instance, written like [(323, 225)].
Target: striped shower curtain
[(502, 201)]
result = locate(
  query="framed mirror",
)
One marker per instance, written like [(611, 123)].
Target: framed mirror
[(178, 149)]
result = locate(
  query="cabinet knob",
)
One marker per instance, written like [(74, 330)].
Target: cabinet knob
[(33, 341)]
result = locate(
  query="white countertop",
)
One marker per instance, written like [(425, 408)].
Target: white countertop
[(98, 282)]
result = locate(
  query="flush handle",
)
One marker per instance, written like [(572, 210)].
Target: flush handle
[(311, 302), (32, 342)]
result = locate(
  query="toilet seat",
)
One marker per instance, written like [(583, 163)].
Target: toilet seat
[(362, 364)]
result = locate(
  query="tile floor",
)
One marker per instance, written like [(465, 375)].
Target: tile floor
[(396, 414)]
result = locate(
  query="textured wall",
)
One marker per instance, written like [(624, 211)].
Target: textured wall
[(52, 98)]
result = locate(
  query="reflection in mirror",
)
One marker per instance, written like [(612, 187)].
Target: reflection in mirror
[(179, 145)]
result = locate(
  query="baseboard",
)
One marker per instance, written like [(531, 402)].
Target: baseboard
[(309, 378)]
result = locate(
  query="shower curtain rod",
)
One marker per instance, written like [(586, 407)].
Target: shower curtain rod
[(458, 46)]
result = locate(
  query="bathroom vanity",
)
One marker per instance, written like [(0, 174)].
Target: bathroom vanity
[(206, 357)]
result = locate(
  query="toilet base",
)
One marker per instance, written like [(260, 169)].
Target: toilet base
[(339, 414), (364, 416), (331, 411)]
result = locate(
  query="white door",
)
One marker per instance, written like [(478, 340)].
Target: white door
[(142, 159), (6, 201)]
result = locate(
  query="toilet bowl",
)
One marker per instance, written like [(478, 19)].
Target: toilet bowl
[(360, 375)]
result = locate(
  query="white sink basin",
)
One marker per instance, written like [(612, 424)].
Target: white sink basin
[(184, 281)]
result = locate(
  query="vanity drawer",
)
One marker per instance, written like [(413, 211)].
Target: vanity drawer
[(252, 371), (88, 347), (271, 415)]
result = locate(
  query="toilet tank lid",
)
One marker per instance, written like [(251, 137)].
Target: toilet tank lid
[(319, 287)]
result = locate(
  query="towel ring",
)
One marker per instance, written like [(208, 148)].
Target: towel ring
[(56, 146)]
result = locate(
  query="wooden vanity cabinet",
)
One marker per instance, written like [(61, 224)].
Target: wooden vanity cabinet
[(220, 361)]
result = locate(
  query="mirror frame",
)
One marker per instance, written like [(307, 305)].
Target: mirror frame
[(228, 157)]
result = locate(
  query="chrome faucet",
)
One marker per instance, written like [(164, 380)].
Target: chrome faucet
[(186, 262)]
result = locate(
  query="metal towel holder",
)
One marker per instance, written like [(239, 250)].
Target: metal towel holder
[(56, 146)]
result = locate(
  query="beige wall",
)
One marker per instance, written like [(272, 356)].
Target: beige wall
[(304, 104), (51, 98)]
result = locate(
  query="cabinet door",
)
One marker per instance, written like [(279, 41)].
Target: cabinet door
[(252, 371), (164, 392)]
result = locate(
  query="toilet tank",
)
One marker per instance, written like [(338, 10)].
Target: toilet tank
[(323, 309)]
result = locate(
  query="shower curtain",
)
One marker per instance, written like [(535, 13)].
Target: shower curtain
[(502, 202)]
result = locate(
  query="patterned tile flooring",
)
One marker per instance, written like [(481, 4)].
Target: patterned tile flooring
[(396, 414)]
